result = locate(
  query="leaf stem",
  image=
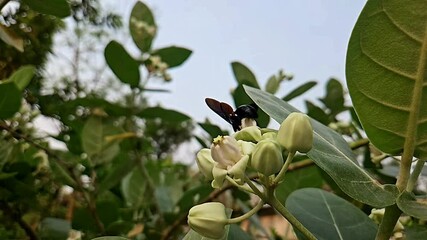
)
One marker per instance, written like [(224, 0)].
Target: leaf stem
[(415, 174), (285, 167), (242, 187), (248, 214), (272, 200)]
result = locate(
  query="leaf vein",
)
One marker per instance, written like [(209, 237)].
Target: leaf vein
[(402, 29), (401, 108)]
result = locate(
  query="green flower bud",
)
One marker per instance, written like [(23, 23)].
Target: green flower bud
[(205, 163), (225, 151), (250, 134), (296, 133), (208, 219), (269, 135), (267, 157), (246, 147)]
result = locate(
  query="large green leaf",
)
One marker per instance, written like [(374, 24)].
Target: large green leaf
[(133, 187), (173, 56), (58, 8), (386, 73), (142, 26), (331, 153), (122, 64), (10, 99), (330, 217), (413, 206)]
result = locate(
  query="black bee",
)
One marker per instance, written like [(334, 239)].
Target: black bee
[(244, 115)]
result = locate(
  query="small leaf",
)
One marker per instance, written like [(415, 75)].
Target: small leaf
[(330, 217), (334, 99), (164, 114), (10, 99), (272, 85), (58, 8), (244, 75), (409, 204), (142, 26), (122, 64), (173, 56), (386, 74), (23, 76), (317, 113), (332, 153), (10, 38), (299, 90)]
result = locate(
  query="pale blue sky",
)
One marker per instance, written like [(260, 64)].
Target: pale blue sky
[(305, 37)]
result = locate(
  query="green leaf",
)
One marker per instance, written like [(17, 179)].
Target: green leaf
[(23, 76), (332, 153), (244, 75), (122, 64), (173, 55), (10, 38), (413, 206), (236, 233), (308, 176), (330, 217), (164, 114), (94, 139), (415, 232), (272, 85), (212, 130), (10, 99), (334, 99), (54, 228), (299, 90), (142, 26), (386, 73), (107, 211), (133, 187), (317, 113), (58, 8), (122, 166)]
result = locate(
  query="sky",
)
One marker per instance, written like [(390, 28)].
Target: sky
[(307, 38)]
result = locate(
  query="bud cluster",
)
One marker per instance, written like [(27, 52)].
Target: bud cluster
[(252, 148)]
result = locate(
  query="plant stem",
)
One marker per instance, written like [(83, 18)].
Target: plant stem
[(242, 187), (282, 172), (415, 174), (272, 200), (254, 188), (248, 214), (391, 215)]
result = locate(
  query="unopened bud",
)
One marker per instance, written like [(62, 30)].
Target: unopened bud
[(205, 163), (296, 133), (250, 134), (208, 219), (267, 157)]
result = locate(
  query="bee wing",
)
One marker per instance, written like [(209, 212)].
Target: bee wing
[(221, 108)]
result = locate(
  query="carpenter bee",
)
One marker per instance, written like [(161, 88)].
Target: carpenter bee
[(244, 116)]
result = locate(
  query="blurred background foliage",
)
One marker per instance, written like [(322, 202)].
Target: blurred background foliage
[(110, 168)]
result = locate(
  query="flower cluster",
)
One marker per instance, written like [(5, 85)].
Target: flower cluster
[(252, 148)]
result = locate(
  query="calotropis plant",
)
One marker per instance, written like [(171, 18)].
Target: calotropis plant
[(268, 153)]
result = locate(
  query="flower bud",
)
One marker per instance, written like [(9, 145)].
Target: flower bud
[(246, 147), (250, 134), (208, 219), (225, 151), (205, 163), (296, 133), (267, 157)]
